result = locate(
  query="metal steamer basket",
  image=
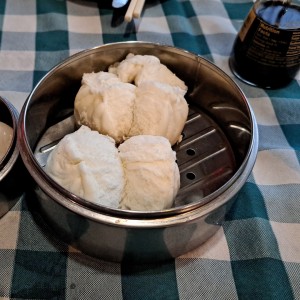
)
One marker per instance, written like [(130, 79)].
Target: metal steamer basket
[(215, 157)]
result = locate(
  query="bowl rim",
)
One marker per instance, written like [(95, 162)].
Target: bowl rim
[(126, 217), (7, 162)]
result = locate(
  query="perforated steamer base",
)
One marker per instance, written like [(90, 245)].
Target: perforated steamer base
[(204, 156)]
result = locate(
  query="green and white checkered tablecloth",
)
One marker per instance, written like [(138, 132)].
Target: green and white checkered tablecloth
[(254, 255)]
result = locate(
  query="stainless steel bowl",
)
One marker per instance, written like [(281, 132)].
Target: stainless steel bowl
[(216, 156), (11, 163)]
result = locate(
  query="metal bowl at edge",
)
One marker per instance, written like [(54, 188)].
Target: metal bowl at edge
[(11, 165), (117, 235)]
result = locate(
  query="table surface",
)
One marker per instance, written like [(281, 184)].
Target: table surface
[(256, 252)]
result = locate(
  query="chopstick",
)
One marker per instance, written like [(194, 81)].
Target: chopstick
[(129, 13), (138, 8), (134, 10)]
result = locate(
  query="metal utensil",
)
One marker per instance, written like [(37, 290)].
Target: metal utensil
[(119, 3)]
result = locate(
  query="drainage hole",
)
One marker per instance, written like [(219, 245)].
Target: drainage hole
[(190, 152), (190, 176)]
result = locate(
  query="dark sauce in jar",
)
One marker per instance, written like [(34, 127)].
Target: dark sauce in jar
[(266, 52)]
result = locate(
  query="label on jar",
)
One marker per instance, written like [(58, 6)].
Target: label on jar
[(270, 45)]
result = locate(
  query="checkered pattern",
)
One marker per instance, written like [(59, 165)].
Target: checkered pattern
[(256, 253)]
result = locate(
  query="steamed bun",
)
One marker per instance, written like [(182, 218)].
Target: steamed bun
[(88, 165), (160, 109), (142, 68), (104, 103), (151, 173), (138, 96)]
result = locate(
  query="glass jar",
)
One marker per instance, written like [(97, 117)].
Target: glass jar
[(266, 52)]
